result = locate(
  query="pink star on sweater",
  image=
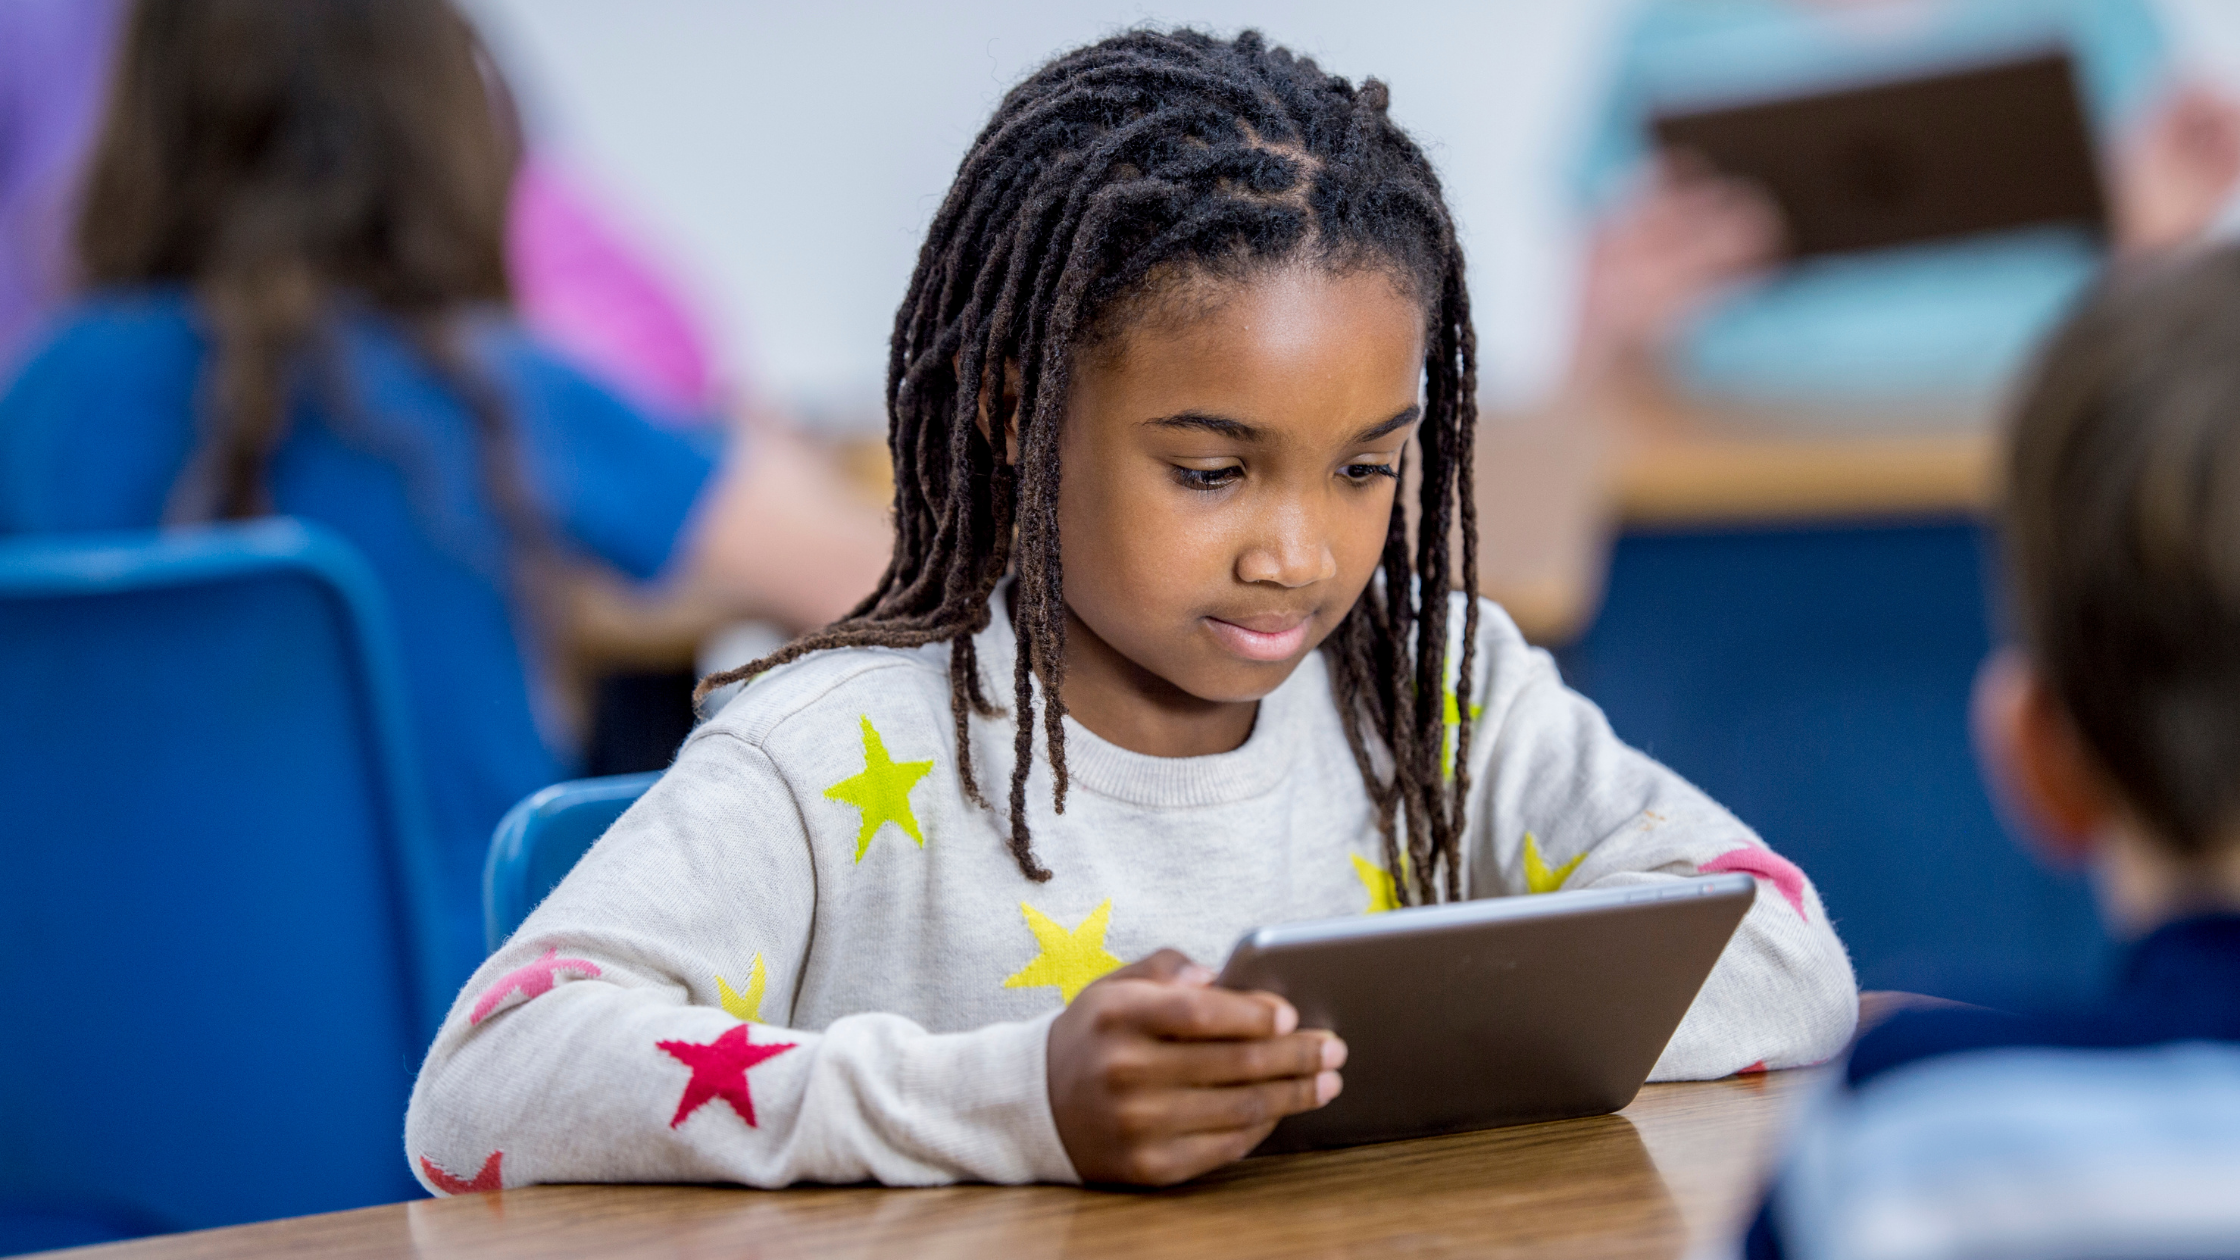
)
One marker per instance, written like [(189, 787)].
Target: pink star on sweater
[(488, 1179), (719, 1070), (1766, 865), (532, 981)]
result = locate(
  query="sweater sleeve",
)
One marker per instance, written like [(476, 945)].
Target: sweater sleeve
[(633, 1029), (1557, 800)]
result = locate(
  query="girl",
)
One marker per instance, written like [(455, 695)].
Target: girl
[(293, 222), (1185, 307)]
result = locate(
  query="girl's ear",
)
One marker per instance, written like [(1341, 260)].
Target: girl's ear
[(2036, 763), (1010, 403)]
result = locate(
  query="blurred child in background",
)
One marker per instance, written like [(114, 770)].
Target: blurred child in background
[(580, 282), (293, 232), (2114, 732)]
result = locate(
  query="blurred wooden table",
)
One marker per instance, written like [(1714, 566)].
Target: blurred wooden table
[(1673, 1171), (1555, 486)]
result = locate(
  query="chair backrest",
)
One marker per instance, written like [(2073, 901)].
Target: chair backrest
[(1815, 680), (540, 839), (218, 900)]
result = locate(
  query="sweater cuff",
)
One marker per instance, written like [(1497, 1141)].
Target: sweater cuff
[(1021, 1053)]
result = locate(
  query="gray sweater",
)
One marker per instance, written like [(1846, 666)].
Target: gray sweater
[(804, 955)]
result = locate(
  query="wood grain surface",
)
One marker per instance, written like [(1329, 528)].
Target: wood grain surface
[(1675, 1170), (1698, 480)]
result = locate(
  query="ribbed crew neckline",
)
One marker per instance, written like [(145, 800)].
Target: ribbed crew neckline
[(1098, 765)]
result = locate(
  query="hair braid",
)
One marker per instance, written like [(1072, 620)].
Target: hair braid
[(1149, 156)]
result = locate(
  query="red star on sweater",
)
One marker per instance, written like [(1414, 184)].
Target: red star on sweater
[(719, 1070), (490, 1178)]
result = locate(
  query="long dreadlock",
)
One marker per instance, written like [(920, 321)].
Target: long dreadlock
[(1147, 156)]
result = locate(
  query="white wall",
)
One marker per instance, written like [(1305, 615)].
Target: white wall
[(785, 158)]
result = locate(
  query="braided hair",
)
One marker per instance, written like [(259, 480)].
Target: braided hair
[(1115, 170)]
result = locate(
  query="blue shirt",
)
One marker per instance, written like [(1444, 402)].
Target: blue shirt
[(97, 429), (2113, 1131), (1943, 322)]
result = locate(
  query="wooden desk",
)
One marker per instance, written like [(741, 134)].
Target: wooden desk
[(1706, 479), (1673, 1171)]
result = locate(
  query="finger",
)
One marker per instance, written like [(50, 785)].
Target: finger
[(1246, 1062), (1210, 1014), (1166, 966), (1179, 1159), (1223, 1107)]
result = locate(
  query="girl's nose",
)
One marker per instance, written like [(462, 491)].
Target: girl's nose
[(1293, 553)]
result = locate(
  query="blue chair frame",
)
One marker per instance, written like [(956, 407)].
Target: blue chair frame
[(540, 840), (274, 606)]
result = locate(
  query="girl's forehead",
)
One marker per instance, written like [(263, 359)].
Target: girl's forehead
[(1180, 307), (1278, 351)]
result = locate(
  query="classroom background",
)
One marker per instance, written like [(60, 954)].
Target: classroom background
[(1779, 589), (1780, 593), (784, 159)]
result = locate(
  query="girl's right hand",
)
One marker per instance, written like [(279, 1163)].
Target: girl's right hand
[(1155, 1076)]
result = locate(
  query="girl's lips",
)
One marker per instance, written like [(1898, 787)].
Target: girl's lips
[(1260, 645)]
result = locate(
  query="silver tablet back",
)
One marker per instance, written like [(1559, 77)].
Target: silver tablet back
[(1486, 1013)]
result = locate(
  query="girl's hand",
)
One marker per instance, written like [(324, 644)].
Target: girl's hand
[(1156, 1077)]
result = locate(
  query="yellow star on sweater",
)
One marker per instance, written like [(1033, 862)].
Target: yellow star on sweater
[(1383, 894), (1537, 877), (745, 1006), (1070, 957), (882, 791)]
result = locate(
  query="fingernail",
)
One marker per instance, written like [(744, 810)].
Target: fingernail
[(1326, 1087), (1333, 1053), (1196, 974), (1287, 1018)]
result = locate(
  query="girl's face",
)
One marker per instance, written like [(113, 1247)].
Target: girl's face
[(1228, 481)]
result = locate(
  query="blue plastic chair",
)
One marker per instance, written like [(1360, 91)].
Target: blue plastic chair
[(539, 840), (218, 906), (1816, 681)]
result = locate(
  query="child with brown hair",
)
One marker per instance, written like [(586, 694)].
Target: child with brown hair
[(298, 303), (2112, 729)]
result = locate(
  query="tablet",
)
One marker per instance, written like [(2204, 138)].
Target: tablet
[(1981, 149), (1503, 1011)]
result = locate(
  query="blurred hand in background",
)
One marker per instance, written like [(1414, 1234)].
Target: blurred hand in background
[(1687, 235), (2174, 177), (786, 534)]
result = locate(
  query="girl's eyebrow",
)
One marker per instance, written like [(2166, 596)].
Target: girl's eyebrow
[(1375, 431), (1242, 432), (1222, 425)]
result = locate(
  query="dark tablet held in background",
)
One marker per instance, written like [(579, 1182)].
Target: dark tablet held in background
[(1502, 1011), (1984, 149)]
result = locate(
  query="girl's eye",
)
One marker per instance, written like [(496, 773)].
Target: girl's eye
[(1362, 474), (1207, 478)]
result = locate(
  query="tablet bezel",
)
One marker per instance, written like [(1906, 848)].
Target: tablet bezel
[(1349, 974)]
